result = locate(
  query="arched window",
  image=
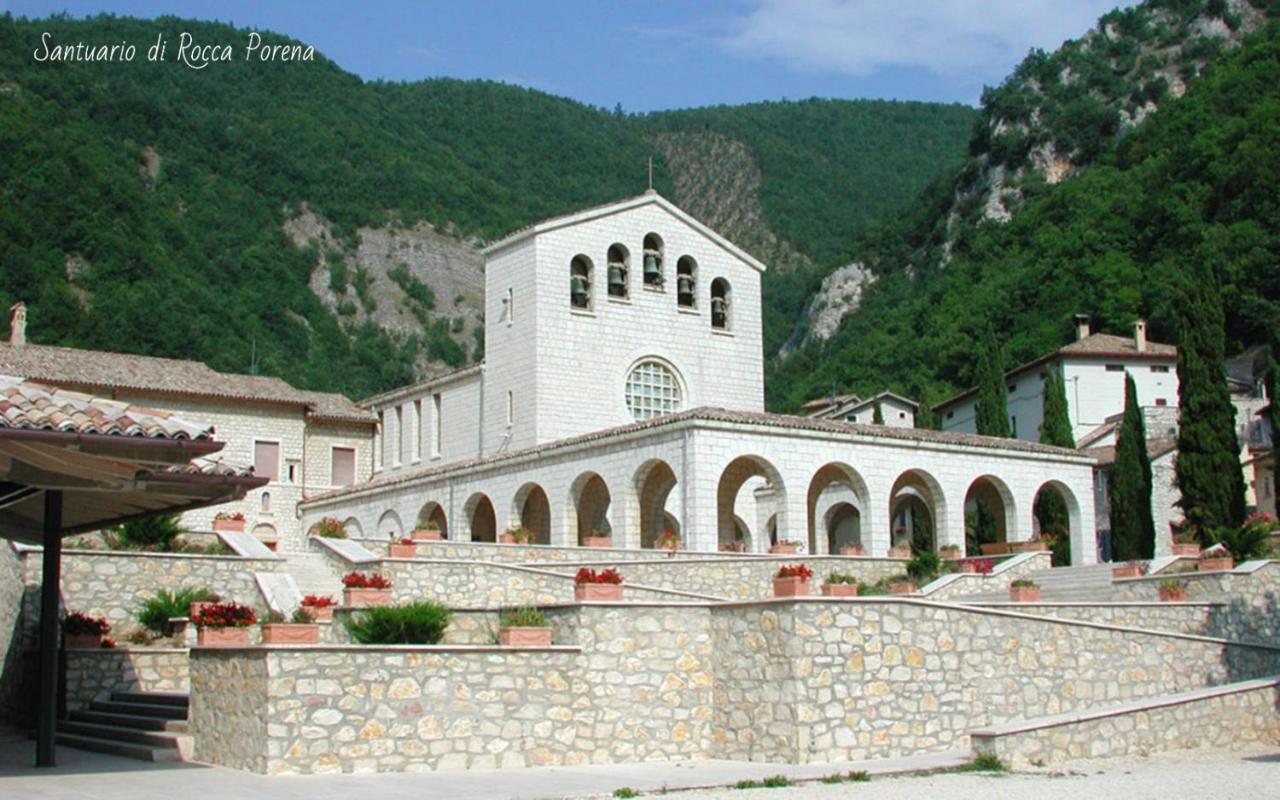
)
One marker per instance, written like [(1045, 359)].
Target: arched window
[(580, 282), (619, 271), (652, 390), (653, 260), (266, 503), (687, 282), (721, 304)]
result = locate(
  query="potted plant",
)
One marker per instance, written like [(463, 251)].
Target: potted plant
[(426, 531), (901, 549), (228, 521), (736, 546), (405, 548), (516, 535), (1172, 591), (785, 547), (523, 627), (365, 590), (792, 580), (320, 608), (202, 598), (951, 552), (1185, 541), (840, 585), (300, 629), (82, 630), (224, 625), (668, 540), (1036, 545), (1215, 559), (329, 528), (1024, 590), (1129, 569), (597, 539), (605, 585), (853, 550), (902, 584)]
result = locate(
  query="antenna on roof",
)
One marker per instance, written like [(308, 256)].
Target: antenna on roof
[(253, 358), (651, 173)]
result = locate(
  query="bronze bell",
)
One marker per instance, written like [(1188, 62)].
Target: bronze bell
[(578, 290), (652, 270), (617, 280), (719, 311), (684, 285)]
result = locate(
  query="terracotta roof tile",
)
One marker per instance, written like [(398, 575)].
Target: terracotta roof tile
[(31, 406)]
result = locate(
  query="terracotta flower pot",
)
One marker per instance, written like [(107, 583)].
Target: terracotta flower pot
[(903, 587), (995, 548), (290, 633), (790, 587), (364, 598), (228, 525), (1172, 595), (426, 535), (840, 590), (194, 608), (951, 555), (597, 541), (1192, 550), (966, 567), (506, 538), (782, 549), (398, 550), (1033, 546), (900, 552), (1127, 571), (82, 640), (733, 547), (853, 550), (1024, 594), (1215, 563), (321, 613), (223, 637), (604, 592), (524, 637)]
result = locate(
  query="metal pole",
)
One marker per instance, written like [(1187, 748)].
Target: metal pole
[(50, 583)]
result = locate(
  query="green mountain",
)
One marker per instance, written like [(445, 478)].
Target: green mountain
[(292, 218), (1096, 175)]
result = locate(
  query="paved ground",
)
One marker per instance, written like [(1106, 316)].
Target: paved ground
[(1252, 774)]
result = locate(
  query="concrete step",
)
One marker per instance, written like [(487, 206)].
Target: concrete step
[(167, 699), (139, 752), (130, 721), (122, 734), (153, 710)]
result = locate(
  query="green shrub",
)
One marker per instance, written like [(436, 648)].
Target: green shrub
[(414, 623), (775, 782), (985, 762), (840, 577), (155, 613), (526, 617), (924, 566), (151, 533), (625, 792), (1244, 543)]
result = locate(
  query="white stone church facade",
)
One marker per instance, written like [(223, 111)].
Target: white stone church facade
[(622, 394)]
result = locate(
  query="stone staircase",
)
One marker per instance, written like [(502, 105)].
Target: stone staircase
[(314, 574), (1091, 582), (148, 726)]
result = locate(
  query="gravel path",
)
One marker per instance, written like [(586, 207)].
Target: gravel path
[(1252, 774)]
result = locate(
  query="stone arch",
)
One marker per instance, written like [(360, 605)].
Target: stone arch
[(618, 263), (432, 515), (654, 481), (266, 534), (532, 508), (389, 525), (581, 280), (654, 256), (990, 514), (479, 513), (588, 507), (1043, 513), (836, 483), (353, 528), (732, 478), (843, 526), (721, 305), (917, 511)]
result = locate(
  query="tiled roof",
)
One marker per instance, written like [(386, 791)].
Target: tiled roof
[(212, 465), (1098, 345), (326, 405), (421, 386), (1156, 448), (26, 405), (95, 369), (754, 418)]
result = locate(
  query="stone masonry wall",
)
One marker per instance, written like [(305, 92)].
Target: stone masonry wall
[(1194, 618), (229, 712), (12, 676), (91, 673), (996, 581), (1251, 599)]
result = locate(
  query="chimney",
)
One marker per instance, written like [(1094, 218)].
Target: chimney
[(18, 324), (1082, 327), (1140, 335)]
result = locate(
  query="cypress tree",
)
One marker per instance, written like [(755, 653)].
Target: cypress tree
[(877, 418), (1273, 384), (992, 412), (1055, 429), (1133, 533), (1208, 466)]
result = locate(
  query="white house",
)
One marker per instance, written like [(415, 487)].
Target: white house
[(896, 411)]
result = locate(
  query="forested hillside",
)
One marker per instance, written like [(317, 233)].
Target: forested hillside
[(1097, 173), (292, 217)]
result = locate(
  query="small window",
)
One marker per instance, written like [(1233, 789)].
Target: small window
[(1160, 401), (580, 283), (721, 305), (266, 460), (416, 433), (509, 307), (1115, 368), (653, 258), (619, 272), (382, 439), (437, 424), (343, 468), (291, 470), (902, 415), (511, 408), (399, 435), (265, 503), (1013, 387), (652, 390), (687, 282), (950, 414), (1013, 423), (1159, 368)]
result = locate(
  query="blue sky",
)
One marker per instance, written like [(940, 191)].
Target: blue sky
[(661, 53)]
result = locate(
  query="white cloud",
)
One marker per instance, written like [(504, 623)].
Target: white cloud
[(858, 37)]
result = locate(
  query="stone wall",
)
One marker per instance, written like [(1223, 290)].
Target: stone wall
[(229, 711), (91, 673), (998, 580), (531, 553), (114, 584), (13, 676), (1194, 618), (1222, 718), (1250, 597)]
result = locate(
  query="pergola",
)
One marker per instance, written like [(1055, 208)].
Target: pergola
[(71, 463)]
